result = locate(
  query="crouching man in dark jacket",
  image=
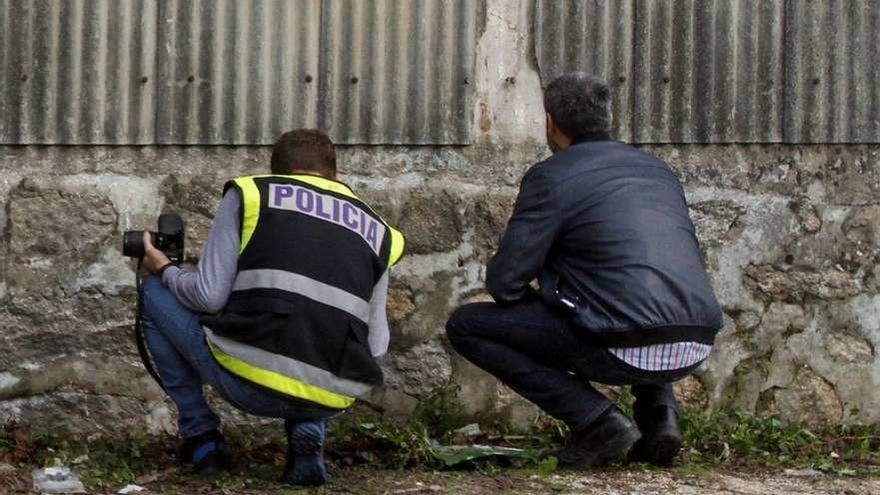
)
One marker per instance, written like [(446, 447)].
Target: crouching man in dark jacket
[(624, 298)]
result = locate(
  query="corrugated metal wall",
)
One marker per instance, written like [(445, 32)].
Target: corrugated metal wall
[(595, 36), (708, 71), (722, 71), (77, 71), (236, 72), (396, 71), (833, 71)]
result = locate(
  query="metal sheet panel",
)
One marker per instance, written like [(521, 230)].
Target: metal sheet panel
[(594, 36), (77, 71), (397, 72), (708, 71), (237, 72), (832, 71)]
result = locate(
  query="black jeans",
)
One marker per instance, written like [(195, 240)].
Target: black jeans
[(535, 350)]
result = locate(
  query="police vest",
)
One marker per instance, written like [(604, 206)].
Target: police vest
[(308, 302)]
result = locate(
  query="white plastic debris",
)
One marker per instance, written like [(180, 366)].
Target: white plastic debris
[(57, 479), (131, 489)]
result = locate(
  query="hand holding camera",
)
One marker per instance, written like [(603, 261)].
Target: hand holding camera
[(154, 260), (157, 249)]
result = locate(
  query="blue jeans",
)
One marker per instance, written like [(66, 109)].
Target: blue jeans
[(538, 352), (177, 343)]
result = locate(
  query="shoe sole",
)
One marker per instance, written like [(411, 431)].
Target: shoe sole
[(616, 449)]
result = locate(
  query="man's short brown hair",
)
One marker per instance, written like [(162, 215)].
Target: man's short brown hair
[(304, 149)]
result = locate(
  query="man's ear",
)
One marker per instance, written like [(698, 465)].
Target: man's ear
[(551, 125)]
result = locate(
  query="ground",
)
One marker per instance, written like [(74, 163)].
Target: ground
[(631, 480)]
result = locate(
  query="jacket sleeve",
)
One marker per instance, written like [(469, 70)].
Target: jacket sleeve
[(530, 234)]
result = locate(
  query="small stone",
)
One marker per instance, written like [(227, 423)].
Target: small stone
[(471, 430), (400, 304), (807, 215), (802, 472), (57, 480)]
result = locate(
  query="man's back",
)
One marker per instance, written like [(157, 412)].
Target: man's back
[(624, 254)]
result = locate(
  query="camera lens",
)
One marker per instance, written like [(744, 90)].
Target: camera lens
[(133, 244)]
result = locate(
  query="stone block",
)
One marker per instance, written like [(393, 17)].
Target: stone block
[(799, 286), (488, 215), (691, 393), (431, 220), (845, 347), (808, 398), (54, 232), (716, 221), (423, 368)]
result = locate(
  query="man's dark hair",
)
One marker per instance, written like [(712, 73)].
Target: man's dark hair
[(304, 149), (578, 103)]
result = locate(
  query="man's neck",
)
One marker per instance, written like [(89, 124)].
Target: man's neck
[(591, 136)]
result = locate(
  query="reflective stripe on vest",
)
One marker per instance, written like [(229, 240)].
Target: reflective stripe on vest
[(276, 372), (306, 287)]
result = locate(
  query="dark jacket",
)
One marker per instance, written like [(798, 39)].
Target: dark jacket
[(605, 229)]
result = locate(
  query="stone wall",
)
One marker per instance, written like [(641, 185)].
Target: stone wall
[(791, 236)]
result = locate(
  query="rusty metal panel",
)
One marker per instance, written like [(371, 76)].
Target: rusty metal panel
[(594, 36), (237, 72), (77, 71), (708, 71), (397, 72), (832, 70)]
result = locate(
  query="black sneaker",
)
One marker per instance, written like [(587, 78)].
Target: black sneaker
[(207, 453), (606, 439), (661, 438), (305, 454)]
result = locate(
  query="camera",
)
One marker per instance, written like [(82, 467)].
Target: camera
[(168, 239)]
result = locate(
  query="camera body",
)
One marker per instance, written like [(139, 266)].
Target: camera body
[(169, 238)]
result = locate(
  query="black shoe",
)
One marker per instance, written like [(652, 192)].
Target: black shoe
[(606, 439), (207, 453), (661, 438), (305, 454)]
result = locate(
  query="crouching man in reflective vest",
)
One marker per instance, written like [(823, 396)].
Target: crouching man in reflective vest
[(285, 313)]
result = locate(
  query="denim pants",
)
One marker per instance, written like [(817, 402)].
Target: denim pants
[(535, 350), (177, 343)]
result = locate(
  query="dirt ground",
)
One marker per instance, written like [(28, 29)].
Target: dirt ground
[(613, 481)]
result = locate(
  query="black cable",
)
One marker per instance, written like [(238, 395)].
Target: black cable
[(139, 331)]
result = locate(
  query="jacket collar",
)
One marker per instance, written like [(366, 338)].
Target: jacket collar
[(591, 136)]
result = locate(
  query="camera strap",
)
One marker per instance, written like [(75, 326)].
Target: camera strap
[(139, 331)]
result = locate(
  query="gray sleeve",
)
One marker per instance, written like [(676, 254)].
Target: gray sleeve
[(379, 335), (207, 289)]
